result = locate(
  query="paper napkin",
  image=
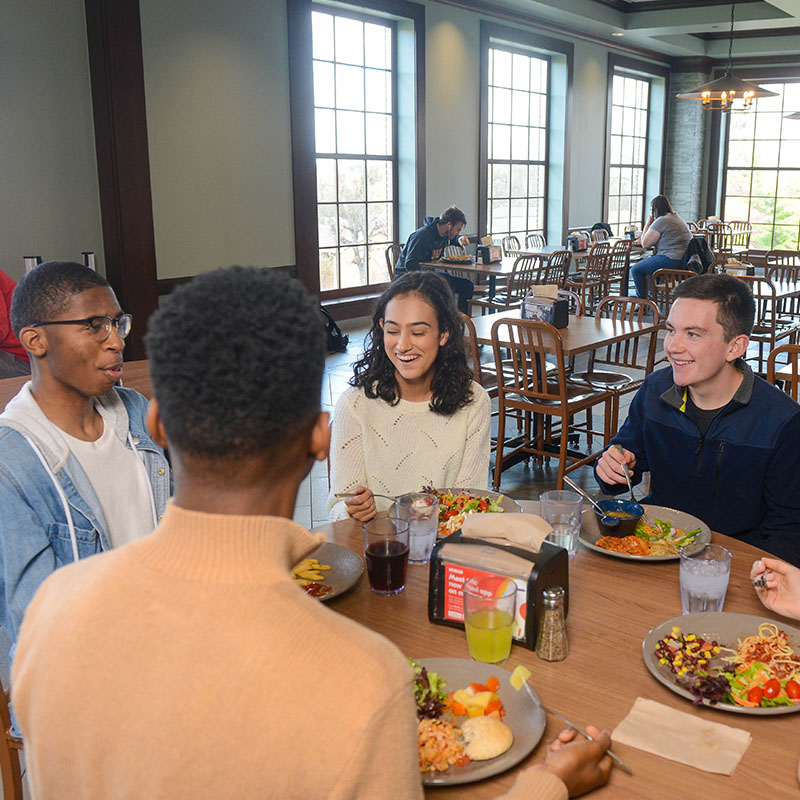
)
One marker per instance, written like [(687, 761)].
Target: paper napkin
[(521, 530)]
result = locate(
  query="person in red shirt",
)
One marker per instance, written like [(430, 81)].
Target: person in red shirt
[(14, 360)]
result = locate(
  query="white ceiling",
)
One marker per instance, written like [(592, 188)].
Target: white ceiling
[(680, 28)]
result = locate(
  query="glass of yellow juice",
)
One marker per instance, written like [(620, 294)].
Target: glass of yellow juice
[(489, 608)]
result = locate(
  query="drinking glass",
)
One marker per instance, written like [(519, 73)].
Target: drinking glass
[(562, 510), (421, 510), (489, 608), (705, 570), (386, 554)]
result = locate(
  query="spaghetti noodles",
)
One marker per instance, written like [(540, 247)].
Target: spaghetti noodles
[(772, 649)]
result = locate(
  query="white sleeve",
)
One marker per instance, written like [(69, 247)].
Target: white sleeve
[(474, 470), (346, 455)]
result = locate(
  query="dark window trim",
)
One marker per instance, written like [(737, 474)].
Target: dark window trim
[(624, 63), (529, 43), (301, 103), (759, 74)]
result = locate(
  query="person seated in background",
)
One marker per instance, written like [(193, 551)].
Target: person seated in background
[(78, 471), (14, 360), (669, 234), (427, 244), (181, 662), (413, 417), (718, 441)]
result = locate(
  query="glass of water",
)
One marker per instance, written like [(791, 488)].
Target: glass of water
[(422, 512), (705, 570), (562, 510)]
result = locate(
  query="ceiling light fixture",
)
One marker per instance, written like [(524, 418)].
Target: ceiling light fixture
[(618, 33), (719, 94)]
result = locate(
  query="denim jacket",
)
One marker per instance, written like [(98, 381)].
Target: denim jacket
[(34, 528)]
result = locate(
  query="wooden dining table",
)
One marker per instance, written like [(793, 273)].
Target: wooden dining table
[(582, 335), (613, 603)]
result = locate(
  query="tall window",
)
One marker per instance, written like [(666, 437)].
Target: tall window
[(355, 144), (517, 143), (762, 169), (627, 159)]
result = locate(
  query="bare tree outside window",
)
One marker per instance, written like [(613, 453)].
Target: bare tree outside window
[(354, 108)]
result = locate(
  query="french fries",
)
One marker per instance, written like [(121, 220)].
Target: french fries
[(308, 570)]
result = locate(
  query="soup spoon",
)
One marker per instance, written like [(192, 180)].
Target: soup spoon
[(609, 522)]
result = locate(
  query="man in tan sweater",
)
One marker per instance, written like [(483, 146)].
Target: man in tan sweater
[(189, 664)]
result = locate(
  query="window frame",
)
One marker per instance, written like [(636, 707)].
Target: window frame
[(642, 70), (301, 101), (530, 44)]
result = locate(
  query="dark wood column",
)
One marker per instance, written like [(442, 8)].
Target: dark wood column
[(123, 164)]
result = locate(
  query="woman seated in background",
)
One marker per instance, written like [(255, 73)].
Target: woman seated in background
[(669, 234), (413, 415)]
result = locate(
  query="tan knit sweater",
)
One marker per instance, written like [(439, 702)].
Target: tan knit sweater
[(189, 665)]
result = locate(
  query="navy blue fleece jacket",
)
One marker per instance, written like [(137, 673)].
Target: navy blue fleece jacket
[(425, 244), (742, 478)]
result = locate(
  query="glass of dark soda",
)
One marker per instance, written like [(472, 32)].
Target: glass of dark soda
[(386, 554)]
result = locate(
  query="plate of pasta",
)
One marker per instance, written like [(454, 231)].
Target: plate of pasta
[(732, 662), (659, 535)]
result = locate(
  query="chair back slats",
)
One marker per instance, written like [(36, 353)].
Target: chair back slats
[(720, 239), (520, 349), (593, 282), (781, 258), (764, 295), (523, 276), (663, 283), (392, 254), (533, 241), (511, 245), (599, 235), (631, 352), (555, 269), (741, 231), (620, 259), (787, 376)]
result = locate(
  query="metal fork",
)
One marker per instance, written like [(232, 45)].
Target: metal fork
[(630, 486)]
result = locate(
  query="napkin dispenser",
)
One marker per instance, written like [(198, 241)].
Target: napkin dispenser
[(456, 559), (489, 254), (545, 309)]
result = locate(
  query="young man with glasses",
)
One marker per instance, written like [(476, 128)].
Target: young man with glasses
[(78, 471)]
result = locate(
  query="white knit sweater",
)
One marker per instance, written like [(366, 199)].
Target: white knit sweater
[(401, 448)]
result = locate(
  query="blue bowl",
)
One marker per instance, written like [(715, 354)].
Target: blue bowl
[(618, 526)]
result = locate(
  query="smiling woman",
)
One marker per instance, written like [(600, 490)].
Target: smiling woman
[(413, 416)]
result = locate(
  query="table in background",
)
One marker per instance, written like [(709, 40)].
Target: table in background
[(613, 605), (497, 269), (135, 375)]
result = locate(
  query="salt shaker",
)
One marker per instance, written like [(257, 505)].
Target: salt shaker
[(551, 641)]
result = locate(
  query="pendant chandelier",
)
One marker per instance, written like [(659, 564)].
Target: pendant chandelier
[(719, 94)]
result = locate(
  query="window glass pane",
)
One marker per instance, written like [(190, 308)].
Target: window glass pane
[(501, 109), (349, 87), (379, 180), (502, 68), (379, 134), (742, 126), (322, 35), (325, 130), (736, 208), (379, 220), (520, 78), (328, 270), (351, 181), (535, 215), (378, 269), (765, 154), (613, 180), (519, 180), (353, 266), (324, 86), (536, 181), (740, 154), (326, 180), (768, 126), (327, 226), (377, 46), (349, 41), (500, 180), (519, 215), (737, 182), (378, 91), (790, 156), (501, 142), (762, 209), (350, 132), (789, 184), (537, 144), (519, 108), (499, 215), (519, 143), (352, 223)]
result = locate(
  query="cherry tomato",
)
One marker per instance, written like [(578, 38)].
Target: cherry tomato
[(793, 689), (483, 505), (755, 695), (772, 688)]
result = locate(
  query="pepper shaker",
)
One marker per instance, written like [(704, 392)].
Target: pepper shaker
[(551, 642)]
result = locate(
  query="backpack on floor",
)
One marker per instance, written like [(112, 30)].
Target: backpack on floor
[(336, 340)]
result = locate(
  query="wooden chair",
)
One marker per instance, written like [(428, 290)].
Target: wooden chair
[(663, 283), (511, 246), (523, 275), (693, 227), (769, 328), (392, 254), (618, 267), (526, 387), (599, 235), (576, 306), (9, 753), (781, 258), (786, 377), (741, 231), (636, 356), (783, 266), (533, 241), (720, 240), (555, 269), (592, 283)]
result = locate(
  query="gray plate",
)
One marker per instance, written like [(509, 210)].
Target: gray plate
[(590, 531), (345, 571), (525, 717), (726, 629), (508, 504)]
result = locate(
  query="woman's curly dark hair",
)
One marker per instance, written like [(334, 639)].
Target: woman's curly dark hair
[(452, 378)]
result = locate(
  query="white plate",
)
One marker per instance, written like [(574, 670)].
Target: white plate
[(726, 629), (524, 716), (590, 531), (345, 568)]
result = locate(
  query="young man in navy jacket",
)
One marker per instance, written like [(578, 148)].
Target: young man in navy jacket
[(427, 244), (718, 441)]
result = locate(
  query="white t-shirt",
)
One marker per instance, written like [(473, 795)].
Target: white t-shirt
[(120, 482)]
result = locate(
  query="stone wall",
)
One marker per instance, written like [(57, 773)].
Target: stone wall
[(686, 147)]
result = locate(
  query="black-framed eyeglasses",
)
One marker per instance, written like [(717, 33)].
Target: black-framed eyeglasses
[(99, 326)]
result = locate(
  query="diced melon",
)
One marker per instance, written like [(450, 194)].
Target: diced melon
[(475, 711), (519, 677), (481, 700), (462, 696)]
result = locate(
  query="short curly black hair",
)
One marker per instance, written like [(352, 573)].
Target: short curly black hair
[(47, 290), (452, 379), (236, 360)]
